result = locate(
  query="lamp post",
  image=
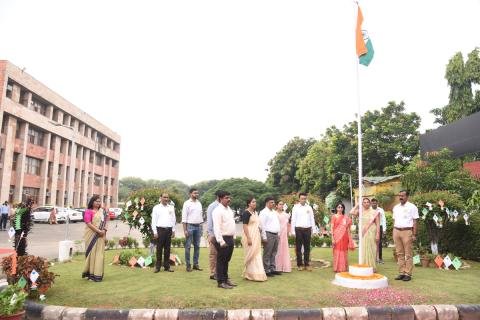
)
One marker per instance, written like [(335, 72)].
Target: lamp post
[(351, 192), (70, 177)]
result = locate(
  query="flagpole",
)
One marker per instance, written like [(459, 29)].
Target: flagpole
[(360, 163)]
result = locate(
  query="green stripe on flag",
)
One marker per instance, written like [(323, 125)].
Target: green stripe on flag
[(366, 58)]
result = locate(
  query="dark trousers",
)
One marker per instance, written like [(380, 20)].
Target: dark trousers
[(164, 242), (380, 244), (270, 249), (3, 221), (224, 254), (302, 238)]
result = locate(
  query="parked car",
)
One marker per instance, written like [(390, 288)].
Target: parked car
[(74, 215), (82, 210), (117, 211), (42, 214)]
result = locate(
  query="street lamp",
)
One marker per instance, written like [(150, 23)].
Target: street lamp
[(70, 176), (351, 192)]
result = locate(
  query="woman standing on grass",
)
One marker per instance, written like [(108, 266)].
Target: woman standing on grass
[(252, 244), (282, 259), (95, 231), (341, 237), (370, 235)]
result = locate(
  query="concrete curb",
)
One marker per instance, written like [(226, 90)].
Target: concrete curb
[(36, 311)]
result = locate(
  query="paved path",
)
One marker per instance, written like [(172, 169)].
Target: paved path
[(44, 238)]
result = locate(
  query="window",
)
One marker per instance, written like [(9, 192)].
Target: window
[(114, 163), (79, 152), (75, 177), (10, 194), (60, 168), (55, 115), (112, 181), (52, 141), (35, 136), (9, 92), (69, 147), (32, 166), (97, 179), (14, 161), (105, 181), (30, 193), (4, 123), (91, 157), (50, 169), (24, 97), (67, 173), (99, 160), (18, 130), (38, 106), (62, 146)]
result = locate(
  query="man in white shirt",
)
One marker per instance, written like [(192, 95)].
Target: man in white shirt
[(303, 223), (405, 215), (192, 219), (224, 230), (212, 256), (163, 226), (5, 210), (270, 226), (383, 227)]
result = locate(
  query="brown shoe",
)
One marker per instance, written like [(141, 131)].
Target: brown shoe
[(224, 286), (230, 283), (300, 268), (196, 267), (189, 269)]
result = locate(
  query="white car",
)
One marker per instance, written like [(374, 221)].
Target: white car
[(117, 211), (73, 215), (42, 214)]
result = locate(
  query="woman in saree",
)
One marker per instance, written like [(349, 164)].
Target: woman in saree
[(282, 259), (370, 232), (252, 244), (95, 231), (341, 238)]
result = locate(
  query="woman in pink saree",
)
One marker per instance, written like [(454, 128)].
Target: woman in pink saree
[(341, 238), (282, 259)]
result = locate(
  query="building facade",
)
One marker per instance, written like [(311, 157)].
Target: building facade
[(51, 150)]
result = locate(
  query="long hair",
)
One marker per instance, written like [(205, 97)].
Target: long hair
[(340, 204), (92, 200)]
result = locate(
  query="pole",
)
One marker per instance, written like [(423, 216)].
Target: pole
[(351, 192), (360, 163)]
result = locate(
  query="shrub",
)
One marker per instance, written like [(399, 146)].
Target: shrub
[(25, 265), (291, 240), (10, 305), (328, 241), (316, 241), (111, 244), (125, 256), (238, 242), (462, 240)]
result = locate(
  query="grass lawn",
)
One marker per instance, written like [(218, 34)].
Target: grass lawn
[(125, 287)]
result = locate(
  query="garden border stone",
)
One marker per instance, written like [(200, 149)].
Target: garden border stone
[(37, 311)]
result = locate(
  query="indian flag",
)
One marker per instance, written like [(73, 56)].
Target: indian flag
[(363, 43)]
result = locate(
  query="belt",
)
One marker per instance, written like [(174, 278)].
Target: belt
[(302, 228), (165, 228), (403, 229), (275, 233), (194, 224)]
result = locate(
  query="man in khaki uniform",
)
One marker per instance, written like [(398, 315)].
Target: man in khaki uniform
[(405, 215)]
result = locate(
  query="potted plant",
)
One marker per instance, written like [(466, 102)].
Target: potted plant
[(12, 299), (424, 257)]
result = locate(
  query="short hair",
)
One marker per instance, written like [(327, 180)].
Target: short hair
[(92, 200), (302, 194), (374, 200), (223, 194), (164, 193), (406, 192), (249, 200), (269, 198), (192, 190), (217, 192)]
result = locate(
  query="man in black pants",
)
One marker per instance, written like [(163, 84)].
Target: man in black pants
[(224, 231), (163, 226), (302, 224)]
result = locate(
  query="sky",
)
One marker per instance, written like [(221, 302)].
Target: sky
[(202, 90)]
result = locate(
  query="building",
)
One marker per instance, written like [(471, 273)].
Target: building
[(385, 189), (51, 150)]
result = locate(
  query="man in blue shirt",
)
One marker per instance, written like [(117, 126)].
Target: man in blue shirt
[(5, 210), (211, 237)]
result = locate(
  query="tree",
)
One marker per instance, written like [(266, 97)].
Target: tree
[(128, 185), (461, 76), (241, 189), (390, 141), (439, 171), (283, 167), (204, 186), (170, 184)]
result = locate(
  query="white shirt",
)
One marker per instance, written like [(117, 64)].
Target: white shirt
[(163, 216), (404, 215), (302, 217), (223, 223), (269, 222), (383, 220), (192, 212)]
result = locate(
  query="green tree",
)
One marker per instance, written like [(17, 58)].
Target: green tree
[(390, 141), (461, 76), (241, 189), (175, 185), (439, 171), (283, 167), (204, 186)]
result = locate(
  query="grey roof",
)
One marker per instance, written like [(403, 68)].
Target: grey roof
[(377, 180)]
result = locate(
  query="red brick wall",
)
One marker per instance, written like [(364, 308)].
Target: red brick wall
[(473, 168)]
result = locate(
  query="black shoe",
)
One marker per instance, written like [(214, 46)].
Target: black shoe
[(189, 269), (407, 278), (224, 286), (269, 274), (277, 273), (196, 267), (400, 277), (212, 277), (230, 283), (157, 270), (168, 270)]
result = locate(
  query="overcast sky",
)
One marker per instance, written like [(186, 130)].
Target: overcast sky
[(204, 90)]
